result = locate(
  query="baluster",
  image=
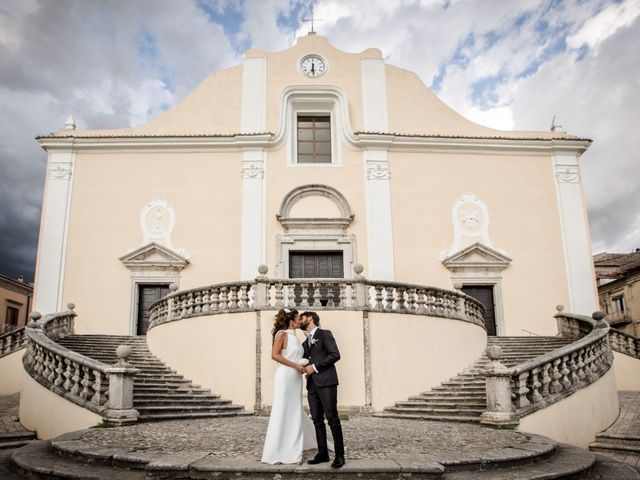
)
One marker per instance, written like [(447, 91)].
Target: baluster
[(58, 378), (631, 347), (75, 379), (555, 386), (420, 298), (379, 297), (8, 342), (304, 294), (580, 364), (535, 384), (86, 383), (215, 300), (564, 371), (189, 303), (291, 296), (205, 301), (343, 295), (401, 301), (330, 293), (47, 365), (99, 387), (316, 295), (233, 298), (39, 360), (573, 369), (198, 302), (279, 294), (244, 296), (224, 299), (185, 307), (389, 298), (522, 390), (411, 299), (68, 373)]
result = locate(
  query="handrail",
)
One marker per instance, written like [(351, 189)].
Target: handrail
[(625, 343), (13, 341), (513, 393), (357, 293), (87, 382)]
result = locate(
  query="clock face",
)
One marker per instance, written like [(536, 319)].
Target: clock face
[(313, 66)]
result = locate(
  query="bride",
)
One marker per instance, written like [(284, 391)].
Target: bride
[(290, 430)]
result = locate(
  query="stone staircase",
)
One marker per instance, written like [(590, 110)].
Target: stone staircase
[(616, 444), (463, 397), (159, 393)]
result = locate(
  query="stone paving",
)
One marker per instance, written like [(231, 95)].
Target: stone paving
[(627, 424), (9, 423), (365, 437)]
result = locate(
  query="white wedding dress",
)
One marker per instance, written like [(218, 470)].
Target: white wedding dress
[(290, 430)]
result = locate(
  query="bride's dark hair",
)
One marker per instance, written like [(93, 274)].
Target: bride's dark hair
[(283, 318)]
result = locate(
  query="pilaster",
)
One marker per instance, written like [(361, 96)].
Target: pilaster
[(575, 235), (54, 231), (253, 116), (253, 241), (378, 207)]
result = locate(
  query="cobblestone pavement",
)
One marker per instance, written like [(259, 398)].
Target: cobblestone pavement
[(365, 437), (628, 423), (9, 415)]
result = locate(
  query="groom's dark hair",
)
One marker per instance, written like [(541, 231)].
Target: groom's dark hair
[(312, 315)]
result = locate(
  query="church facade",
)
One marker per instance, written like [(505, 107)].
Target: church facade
[(311, 161)]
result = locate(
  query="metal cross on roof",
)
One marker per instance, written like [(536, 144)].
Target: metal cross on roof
[(312, 20)]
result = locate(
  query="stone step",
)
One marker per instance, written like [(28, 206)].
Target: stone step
[(425, 410), (179, 402), (605, 447), (441, 418), (443, 405), (149, 417), (619, 439)]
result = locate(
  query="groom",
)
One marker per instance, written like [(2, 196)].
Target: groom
[(322, 387)]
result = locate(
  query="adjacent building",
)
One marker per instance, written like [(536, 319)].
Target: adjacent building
[(15, 303), (618, 277)]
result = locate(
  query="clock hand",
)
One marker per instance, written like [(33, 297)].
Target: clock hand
[(313, 68)]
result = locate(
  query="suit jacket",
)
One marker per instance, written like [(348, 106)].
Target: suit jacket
[(323, 354)]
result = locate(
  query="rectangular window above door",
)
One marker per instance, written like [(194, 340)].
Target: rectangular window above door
[(314, 138)]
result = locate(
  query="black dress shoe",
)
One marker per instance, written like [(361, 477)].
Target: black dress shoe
[(319, 459), (338, 462)]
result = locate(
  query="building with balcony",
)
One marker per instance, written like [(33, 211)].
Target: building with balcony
[(618, 277)]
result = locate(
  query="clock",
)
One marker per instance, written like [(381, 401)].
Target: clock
[(313, 66)]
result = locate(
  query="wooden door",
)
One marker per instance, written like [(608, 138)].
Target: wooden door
[(316, 265), (484, 294), (147, 295)]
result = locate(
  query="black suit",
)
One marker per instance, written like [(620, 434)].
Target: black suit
[(322, 389)]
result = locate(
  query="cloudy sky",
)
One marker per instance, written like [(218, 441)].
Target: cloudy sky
[(504, 63)]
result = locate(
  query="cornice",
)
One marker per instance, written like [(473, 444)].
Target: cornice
[(267, 141)]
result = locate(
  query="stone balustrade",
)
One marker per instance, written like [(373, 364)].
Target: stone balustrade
[(513, 393), (624, 343), (101, 388), (358, 293), (13, 341)]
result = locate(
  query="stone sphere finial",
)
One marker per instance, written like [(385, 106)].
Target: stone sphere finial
[(173, 287), (263, 269), (34, 316), (560, 307), (123, 352), (458, 285), (494, 352), (71, 306), (598, 316), (358, 268)]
